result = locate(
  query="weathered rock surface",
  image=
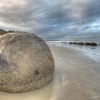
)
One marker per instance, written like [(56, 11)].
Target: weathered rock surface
[(80, 43), (87, 43), (75, 42), (93, 44), (70, 42), (26, 62)]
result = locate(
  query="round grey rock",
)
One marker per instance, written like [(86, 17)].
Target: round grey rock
[(26, 62)]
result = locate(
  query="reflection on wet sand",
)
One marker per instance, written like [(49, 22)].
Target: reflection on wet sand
[(77, 77)]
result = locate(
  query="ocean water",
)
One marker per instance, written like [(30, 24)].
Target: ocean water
[(93, 52)]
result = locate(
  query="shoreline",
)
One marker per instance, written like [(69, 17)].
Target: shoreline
[(91, 51), (80, 75)]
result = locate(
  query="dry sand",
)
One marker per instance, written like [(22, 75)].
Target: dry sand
[(77, 77)]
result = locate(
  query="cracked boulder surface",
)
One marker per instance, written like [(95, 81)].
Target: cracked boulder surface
[(26, 62)]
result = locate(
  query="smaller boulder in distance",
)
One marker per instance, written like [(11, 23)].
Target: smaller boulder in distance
[(70, 42), (87, 43), (75, 42), (93, 44), (80, 43)]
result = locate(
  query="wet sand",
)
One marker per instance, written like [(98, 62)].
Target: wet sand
[(77, 77)]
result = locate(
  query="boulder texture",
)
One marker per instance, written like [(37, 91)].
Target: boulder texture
[(70, 42), (26, 62), (87, 43), (75, 42), (80, 43), (93, 44)]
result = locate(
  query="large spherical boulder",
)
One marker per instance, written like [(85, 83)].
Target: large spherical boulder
[(26, 62)]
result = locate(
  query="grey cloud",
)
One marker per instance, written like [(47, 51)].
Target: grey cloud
[(53, 19), (21, 15), (92, 10)]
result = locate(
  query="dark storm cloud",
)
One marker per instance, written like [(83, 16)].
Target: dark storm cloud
[(92, 10), (53, 19)]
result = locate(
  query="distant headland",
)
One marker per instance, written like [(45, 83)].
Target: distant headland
[(2, 32)]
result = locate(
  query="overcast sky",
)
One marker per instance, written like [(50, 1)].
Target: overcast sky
[(52, 19)]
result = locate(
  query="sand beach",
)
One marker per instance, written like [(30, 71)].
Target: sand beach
[(77, 77)]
